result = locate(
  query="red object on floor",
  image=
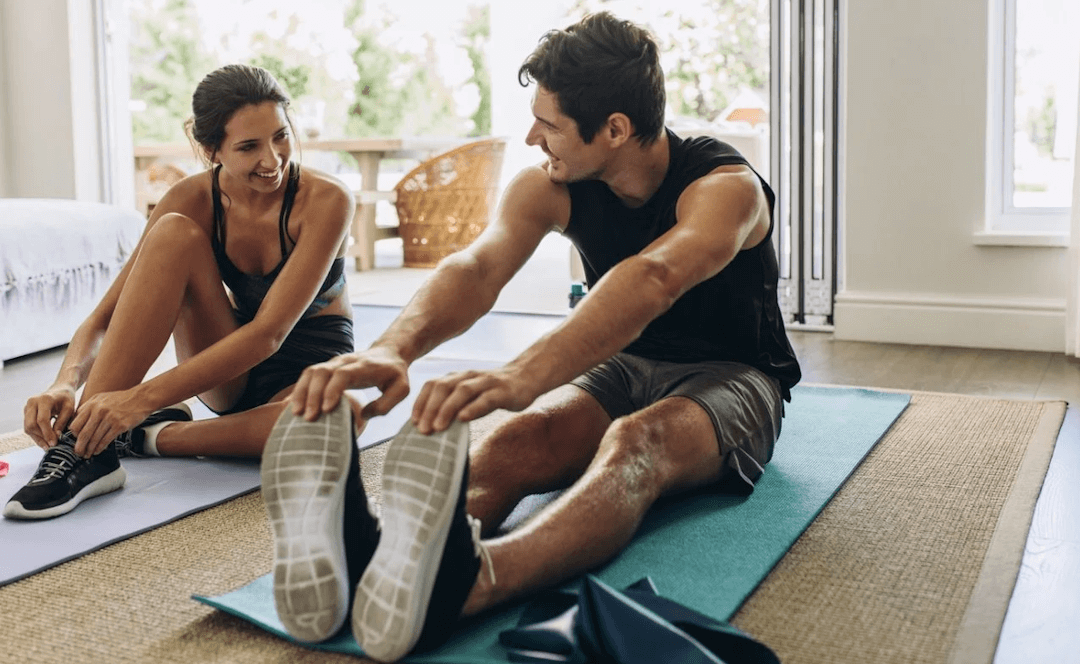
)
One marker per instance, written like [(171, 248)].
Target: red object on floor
[(3, 468)]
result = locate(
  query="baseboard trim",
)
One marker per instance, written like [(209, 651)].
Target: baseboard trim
[(1034, 324)]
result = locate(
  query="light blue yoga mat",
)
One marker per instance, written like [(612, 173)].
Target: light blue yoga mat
[(158, 491), (706, 551)]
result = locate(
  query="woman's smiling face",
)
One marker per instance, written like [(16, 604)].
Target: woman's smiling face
[(257, 146)]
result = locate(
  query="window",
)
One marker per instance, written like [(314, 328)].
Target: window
[(1033, 84)]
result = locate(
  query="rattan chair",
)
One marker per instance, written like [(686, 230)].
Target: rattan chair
[(444, 203)]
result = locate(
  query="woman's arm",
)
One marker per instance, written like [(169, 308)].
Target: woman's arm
[(325, 215), (46, 415)]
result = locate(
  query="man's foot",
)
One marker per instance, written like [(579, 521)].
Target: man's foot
[(133, 443), (324, 531), (64, 479), (411, 594)]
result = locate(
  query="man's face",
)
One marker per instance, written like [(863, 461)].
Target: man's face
[(570, 159)]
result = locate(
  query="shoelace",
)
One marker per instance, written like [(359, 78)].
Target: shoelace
[(479, 548), (124, 444), (57, 461)]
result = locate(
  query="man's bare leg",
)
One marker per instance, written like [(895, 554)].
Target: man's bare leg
[(664, 449), (547, 447)]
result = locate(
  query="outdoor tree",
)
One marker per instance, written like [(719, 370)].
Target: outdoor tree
[(167, 62), (710, 49), (476, 35), (344, 75), (400, 91)]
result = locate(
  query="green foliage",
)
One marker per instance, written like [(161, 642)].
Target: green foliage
[(293, 79), (477, 35), (709, 52), (166, 64), (1042, 125), (398, 93)]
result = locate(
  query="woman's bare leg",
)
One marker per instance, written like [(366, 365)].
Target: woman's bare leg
[(240, 434), (174, 287)]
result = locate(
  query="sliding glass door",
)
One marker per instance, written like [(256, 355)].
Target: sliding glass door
[(805, 172)]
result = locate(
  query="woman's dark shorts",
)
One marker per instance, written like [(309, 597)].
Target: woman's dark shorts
[(311, 341), (744, 404)]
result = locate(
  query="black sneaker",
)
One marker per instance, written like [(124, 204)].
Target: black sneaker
[(131, 443), (324, 531), (411, 594), (64, 479)]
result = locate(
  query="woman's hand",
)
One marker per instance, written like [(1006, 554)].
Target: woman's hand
[(46, 415), (103, 417)]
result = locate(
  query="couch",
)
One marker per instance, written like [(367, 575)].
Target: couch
[(57, 259)]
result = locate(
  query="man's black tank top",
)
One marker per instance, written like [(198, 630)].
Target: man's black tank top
[(250, 290), (734, 316)]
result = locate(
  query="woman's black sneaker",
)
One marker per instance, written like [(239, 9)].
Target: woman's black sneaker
[(411, 594), (324, 531), (64, 479)]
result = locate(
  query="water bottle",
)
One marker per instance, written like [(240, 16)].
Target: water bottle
[(577, 291)]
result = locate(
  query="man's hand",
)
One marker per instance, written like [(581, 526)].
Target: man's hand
[(321, 385), (103, 417), (46, 415), (467, 395)]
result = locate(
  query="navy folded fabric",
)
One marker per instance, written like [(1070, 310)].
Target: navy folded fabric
[(597, 623)]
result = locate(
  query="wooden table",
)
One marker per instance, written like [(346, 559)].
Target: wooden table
[(368, 152)]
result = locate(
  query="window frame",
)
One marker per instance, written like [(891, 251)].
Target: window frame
[(1006, 224)]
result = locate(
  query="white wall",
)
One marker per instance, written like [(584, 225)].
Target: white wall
[(3, 111), (41, 132), (50, 121), (915, 141)]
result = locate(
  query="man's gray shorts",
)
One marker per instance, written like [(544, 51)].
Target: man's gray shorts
[(743, 403)]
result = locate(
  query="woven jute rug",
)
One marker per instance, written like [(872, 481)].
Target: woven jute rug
[(912, 561)]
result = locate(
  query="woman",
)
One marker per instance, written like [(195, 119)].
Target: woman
[(254, 221)]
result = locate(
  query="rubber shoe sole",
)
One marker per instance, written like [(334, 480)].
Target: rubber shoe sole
[(304, 469), (420, 489), (102, 485)]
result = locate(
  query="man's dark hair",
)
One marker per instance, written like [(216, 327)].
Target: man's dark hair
[(599, 66)]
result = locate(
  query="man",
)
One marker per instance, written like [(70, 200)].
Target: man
[(669, 376)]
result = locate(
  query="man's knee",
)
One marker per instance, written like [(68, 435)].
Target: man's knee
[(633, 448), (520, 442)]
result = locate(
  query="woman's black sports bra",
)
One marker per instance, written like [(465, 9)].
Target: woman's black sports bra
[(248, 290)]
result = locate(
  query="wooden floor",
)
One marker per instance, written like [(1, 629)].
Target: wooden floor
[(1045, 609)]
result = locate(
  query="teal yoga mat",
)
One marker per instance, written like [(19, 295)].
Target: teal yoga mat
[(706, 551)]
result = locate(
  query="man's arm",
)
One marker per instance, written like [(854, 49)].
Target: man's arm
[(462, 288), (717, 216)]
